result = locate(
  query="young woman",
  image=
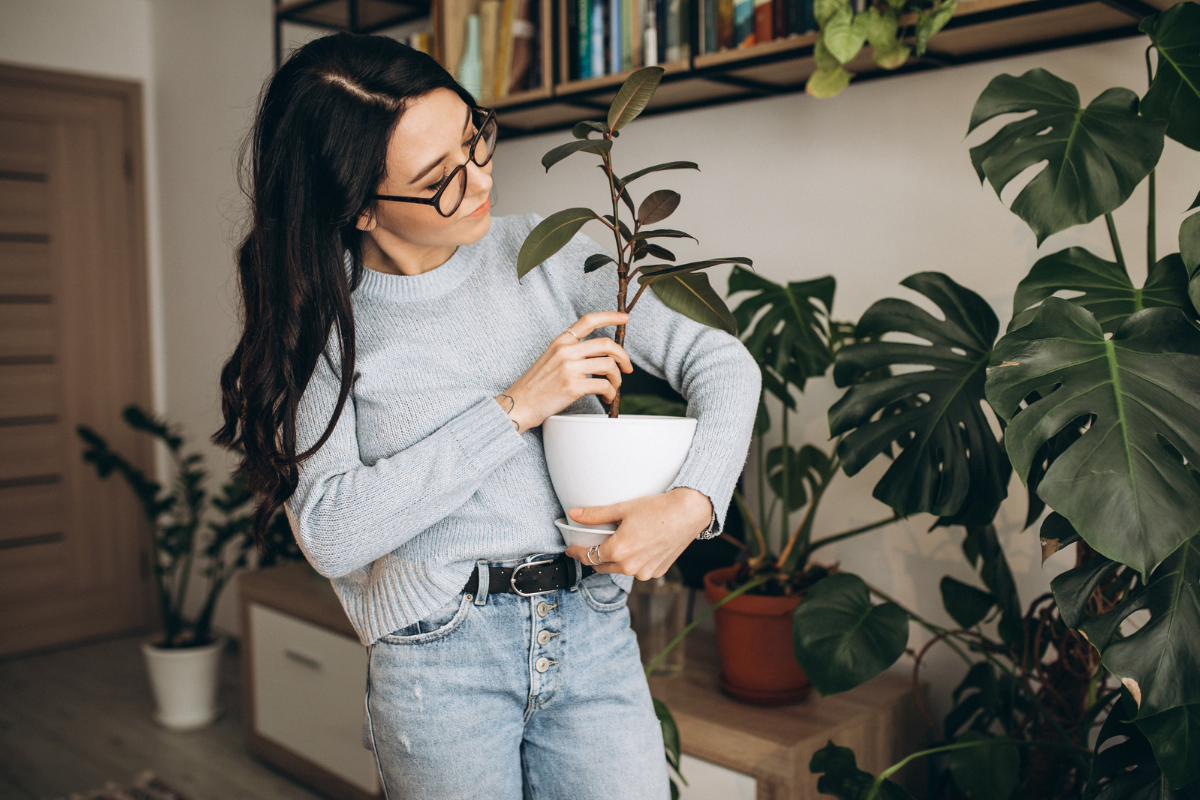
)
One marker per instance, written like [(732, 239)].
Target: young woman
[(388, 389)]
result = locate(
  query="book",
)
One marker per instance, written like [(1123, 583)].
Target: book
[(596, 44), (779, 19), (725, 38), (508, 15), (585, 37), (627, 30), (650, 35), (614, 36), (522, 55), (637, 26), (708, 23), (810, 17), (489, 38), (452, 22), (764, 23), (673, 30), (743, 23)]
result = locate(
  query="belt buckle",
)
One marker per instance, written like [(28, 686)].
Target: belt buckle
[(512, 579)]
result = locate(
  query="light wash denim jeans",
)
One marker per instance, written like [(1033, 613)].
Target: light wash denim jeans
[(503, 697)]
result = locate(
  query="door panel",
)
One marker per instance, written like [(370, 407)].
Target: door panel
[(74, 350)]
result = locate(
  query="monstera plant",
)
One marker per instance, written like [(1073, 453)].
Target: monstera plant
[(1094, 400)]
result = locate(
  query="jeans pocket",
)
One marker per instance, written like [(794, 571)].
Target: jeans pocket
[(602, 593), (439, 624)]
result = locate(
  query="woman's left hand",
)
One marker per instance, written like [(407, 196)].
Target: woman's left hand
[(651, 533)]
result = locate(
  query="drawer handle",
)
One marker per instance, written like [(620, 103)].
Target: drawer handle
[(303, 660)]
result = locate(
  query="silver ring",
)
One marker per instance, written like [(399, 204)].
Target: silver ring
[(594, 550), (568, 330)]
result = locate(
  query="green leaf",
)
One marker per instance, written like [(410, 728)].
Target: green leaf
[(633, 176), (584, 129), (657, 206), (1107, 290), (1175, 738), (670, 732), (1055, 534), (966, 604), (661, 233), (790, 334), (1189, 251), (585, 146), (841, 777), (549, 236), (981, 546), (844, 34), (652, 271), (882, 30), (659, 252), (1159, 661), (1127, 770), (633, 96), (841, 640), (930, 22), (1126, 494), (596, 261), (808, 465), (823, 10), (1094, 156), (1174, 94), (990, 770), (1073, 588), (626, 234), (950, 463), (692, 295), (830, 77)]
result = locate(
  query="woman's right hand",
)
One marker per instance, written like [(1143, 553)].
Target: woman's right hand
[(560, 375)]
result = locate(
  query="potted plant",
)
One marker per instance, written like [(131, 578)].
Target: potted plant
[(182, 661), (1097, 396), (595, 459)]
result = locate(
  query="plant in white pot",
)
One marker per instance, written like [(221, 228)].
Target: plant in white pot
[(595, 459), (182, 662)]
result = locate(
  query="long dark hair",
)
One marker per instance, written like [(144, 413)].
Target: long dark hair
[(317, 152)]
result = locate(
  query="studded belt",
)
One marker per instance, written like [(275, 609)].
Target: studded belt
[(531, 578)]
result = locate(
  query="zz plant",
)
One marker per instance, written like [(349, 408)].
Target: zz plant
[(1097, 397), (682, 287), (180, 535)]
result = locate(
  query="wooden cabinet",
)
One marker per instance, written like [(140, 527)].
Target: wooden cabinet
[(304, 682)]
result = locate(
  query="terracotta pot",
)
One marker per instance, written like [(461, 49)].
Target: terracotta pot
[(754, 636)]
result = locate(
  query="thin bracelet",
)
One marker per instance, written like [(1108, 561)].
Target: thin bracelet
[(511, 405)]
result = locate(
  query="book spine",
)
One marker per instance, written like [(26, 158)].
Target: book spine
[(763, 21), (708, 14), (615, 56), (650, 36), (489, 16), (743, 23), (810, 16), (637, 26), (725, 38), (584, 37), (673, 26), (779, 19), (596, 46), (627, 27), (660, 27), (685, 29)]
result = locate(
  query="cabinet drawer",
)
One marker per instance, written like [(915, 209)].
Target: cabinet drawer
[(708, 781), (309, 686)]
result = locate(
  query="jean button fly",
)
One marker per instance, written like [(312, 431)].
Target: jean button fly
[(542, 609), (543, 637), (542, 664)]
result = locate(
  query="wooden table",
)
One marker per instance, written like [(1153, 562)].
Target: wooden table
[(879, 720)]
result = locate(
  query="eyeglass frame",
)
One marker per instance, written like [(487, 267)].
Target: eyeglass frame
[(437, 196)]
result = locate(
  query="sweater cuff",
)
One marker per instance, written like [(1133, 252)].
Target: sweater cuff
[(485, 434)]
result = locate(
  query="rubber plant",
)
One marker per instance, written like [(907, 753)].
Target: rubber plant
[(894, 29), (1097, 398), (682, 287), (180, 534)]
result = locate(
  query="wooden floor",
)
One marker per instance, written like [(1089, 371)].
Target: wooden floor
[(74, 720)]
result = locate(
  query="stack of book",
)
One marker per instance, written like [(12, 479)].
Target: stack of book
[(603, 37), (502, 59), (729, 24)]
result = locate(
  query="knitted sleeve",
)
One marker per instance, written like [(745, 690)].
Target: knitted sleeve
[(710, 368), (346, 514)]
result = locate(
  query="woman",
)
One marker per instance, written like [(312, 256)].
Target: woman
[(387, 390)]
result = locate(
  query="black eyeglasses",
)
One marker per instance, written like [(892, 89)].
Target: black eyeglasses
[(450, 194)]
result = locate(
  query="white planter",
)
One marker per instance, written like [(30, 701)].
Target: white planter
[(184, 682), (597, 461)]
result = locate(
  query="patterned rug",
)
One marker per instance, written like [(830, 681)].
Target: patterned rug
[(145, 787)]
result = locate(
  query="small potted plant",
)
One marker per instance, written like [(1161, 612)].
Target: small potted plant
[(596, 459), (182, 661)]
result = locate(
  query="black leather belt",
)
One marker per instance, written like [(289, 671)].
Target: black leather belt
[(531, 578)]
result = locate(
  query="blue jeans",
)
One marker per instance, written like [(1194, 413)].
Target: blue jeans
[(503, 697)]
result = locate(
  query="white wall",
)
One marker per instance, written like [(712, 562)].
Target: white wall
[(871, 186)]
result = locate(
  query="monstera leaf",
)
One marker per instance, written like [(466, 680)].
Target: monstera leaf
[(841, 777), (1122, 484), (808, 470), (841, 640), (1094, 156), (1107, 290), (950, 462), (791, 337), (1127, 770), (1175, 738), (1174, 94)]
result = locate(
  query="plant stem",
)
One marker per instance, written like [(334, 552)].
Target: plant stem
[(1116, 243), (761, 459), (902, 763), (1151, 229), (622, 268), (783, 486), (738, 592), (837, 537)]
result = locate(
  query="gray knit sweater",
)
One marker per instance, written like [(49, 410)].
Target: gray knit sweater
[(424, 474)]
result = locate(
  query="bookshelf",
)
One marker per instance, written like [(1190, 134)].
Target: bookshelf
[(980, 30)]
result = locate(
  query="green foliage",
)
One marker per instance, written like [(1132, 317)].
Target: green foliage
[(841, 639), (1124, 767), (692, 295), (841, 777), (551, 235), (1174, 94), (950, 463), (1094, 156), (177, 514), (990, 771), (966, 604), (670, 734)]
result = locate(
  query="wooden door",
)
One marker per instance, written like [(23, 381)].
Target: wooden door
[(74, 349)]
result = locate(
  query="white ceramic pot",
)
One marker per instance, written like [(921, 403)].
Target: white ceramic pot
[(597, 461), (184, 682), (583, 536)]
